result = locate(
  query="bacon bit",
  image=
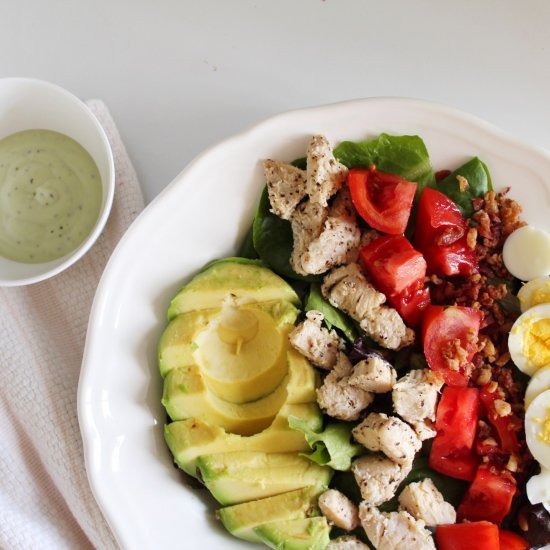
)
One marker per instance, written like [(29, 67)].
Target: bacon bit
[(484, 376), (462, 183), (471, 238), (492, 387), (503, 408), (512, 464)]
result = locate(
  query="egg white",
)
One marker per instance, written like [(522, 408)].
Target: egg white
[(517, 334), (538, 488), (534, 417), (540, 381), (534, 289), (526, 253)]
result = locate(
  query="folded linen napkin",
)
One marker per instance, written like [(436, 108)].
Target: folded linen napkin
[(45, 497)]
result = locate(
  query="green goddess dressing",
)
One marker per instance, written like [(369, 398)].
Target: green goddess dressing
[(50, 195)]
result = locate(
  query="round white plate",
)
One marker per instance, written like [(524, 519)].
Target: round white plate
[(203, 214)]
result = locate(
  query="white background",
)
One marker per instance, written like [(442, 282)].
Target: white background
[(181, 75)]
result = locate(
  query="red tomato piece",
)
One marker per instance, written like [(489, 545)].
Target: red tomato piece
[(383, 200), (511, 541), (449, 336), (398, 270), (480, 535), (504, 425), (411, 303), (456, 424), (440, 234), (489, 497), (392, 263)]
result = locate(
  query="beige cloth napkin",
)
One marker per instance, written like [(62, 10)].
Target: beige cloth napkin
[(45, 497)]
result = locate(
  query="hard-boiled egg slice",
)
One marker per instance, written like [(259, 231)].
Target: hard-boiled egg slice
[(538, 488), (526, 253), (537, 428), (540, 381), (529, 339), (535, 292)]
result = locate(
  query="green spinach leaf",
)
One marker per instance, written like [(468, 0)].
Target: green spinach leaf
[(405, 156), (333, 317), (479, 183)]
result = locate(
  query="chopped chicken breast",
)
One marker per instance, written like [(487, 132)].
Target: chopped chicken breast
[(415, 400), (347, 543), (316, 342), (337, 397), (339, 510), (378, 477), (325, 175), (347, 289), (307, 222), (338, 241), (286, 187), (394, 530), (373, 374), (423, 501), (389, 434)]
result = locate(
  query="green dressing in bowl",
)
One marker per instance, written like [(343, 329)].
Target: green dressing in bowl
[(50, 195)]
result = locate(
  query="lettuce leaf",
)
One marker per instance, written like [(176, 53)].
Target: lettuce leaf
[(331, 447)]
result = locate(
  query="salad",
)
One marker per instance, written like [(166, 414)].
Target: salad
[(390, 280)]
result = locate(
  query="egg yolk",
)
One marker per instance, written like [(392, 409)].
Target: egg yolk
[(536, 343), (541, 295), (544, 435)]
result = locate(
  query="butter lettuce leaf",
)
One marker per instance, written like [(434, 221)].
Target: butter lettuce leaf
[(331, 447), (479, 183), (405, 156), (333, 316)]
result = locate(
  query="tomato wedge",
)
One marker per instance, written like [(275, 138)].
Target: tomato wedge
[(440, 234), (480, 535), (511, 541), (383, 200), (392, 263), (449, 335), (489, 497), (504, 425), (398, 270), (456, 424)]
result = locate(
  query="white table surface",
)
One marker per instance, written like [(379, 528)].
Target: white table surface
[(181, 75)]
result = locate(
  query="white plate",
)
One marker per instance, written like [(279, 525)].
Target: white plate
[(203, 214)]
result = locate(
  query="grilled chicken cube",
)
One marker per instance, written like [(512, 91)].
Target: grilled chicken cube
[(389, 434), (316, 342), (394, 530), (373, 374), (325, 175), (286, 187), (347, 542), (423, 501), (337, 397), (378, 477), (415, 400), (347, 289), (339, 510)]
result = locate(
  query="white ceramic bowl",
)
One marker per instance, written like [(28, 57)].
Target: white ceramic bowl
[(27, 104), (203, 215)]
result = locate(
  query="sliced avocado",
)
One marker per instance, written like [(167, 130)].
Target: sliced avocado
[(191, 438), (295, 534), (241, 520), (242, 476), (187, 395), (243, 282), (177, 343)]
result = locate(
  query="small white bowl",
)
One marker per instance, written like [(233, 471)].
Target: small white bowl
[(27, 104)]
